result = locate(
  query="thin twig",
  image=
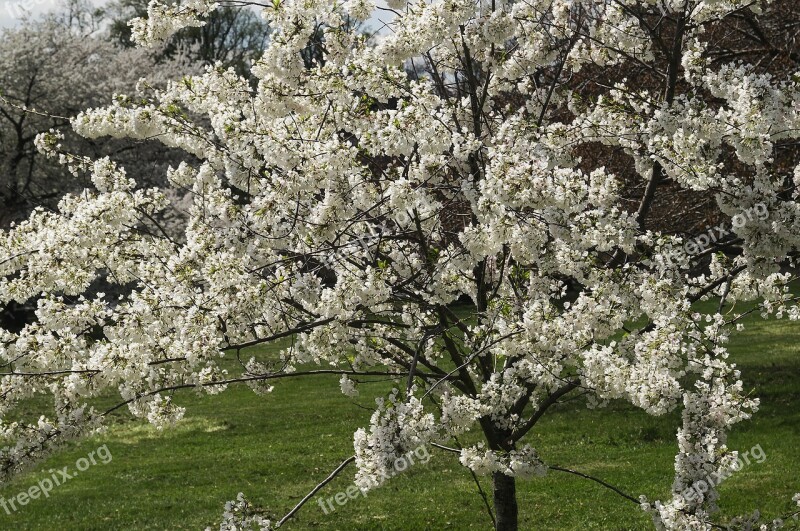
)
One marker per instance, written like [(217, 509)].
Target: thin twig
[(316, 489), (596, 480)]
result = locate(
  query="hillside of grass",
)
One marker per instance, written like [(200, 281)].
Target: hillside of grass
[(276, 448)]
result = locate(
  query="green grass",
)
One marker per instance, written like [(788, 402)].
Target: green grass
[(275, 448)]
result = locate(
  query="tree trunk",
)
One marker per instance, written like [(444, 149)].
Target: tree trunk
[(505, 502)]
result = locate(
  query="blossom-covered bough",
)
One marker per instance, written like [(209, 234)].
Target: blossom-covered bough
[(357, 193)]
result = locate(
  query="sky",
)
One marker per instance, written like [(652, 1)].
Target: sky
[(13, 11)]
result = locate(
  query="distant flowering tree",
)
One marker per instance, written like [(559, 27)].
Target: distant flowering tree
[(229, 35), (358, 192), (51, 69)]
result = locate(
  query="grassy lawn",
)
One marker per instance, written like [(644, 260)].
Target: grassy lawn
[(275, 448)]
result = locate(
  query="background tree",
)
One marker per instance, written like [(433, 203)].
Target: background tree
[(346, 205), (234, 37), (51, 70)]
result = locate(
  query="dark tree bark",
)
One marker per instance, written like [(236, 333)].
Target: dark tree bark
[(505, 502)]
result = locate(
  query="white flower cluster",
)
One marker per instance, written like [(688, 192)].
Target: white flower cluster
[(165, 19), (240, 516), (523, 463), (396, 427)]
